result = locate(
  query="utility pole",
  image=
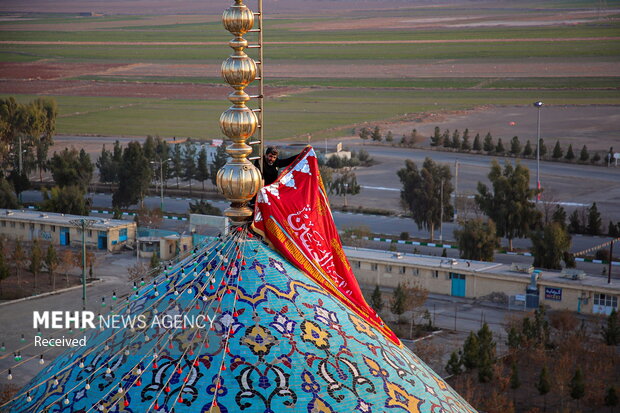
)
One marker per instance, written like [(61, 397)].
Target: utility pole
[(441, 212), (20, 166), (456, 189), (611, 258), (538, 105), (82, 224), (161, 181)]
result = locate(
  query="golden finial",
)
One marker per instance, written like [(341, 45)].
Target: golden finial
[(239, 180)]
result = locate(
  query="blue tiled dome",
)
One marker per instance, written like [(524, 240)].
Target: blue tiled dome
[(277, 343)]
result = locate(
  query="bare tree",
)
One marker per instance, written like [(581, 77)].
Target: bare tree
[(66, 263)]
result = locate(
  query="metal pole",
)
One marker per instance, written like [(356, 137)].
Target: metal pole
[(454, 316), (538, 105), (611, 257), (161, 181), (441, 213), (83, 264), (20, 166), (456, 188)]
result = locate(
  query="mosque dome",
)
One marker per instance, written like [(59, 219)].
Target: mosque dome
[(273, 340)]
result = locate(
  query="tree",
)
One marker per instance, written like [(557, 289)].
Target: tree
[(51, 263), (486, 356), (611, 330), (406, 298), (499, 148), (509, 204), (107, 167), (364, 133), (549, 246), (376, 134), (543, 385), (613, 230), (376, 299), (149, 218), (515, 146), (202, 170), (557, 151), (8, 199), (36, 261), (398, 302), (4, 268), (542, 149), (515, 382), (477, 240), (471, 351), (488, 145), (527, 150), (149, 147), (584, 155), (456, 140), (445, 138), (477, 145), (389, 137), (559, 216), (204, 208), (422, 193), (66, 200), (67, 262), (220, 160), (154, 263), (577, 385), (437, 139), (575, 222), (596, 158), (345, 184), (177, 163), (189, 163), (570, 155), (72, 168), (48, 109), (454, 365), (611, 397), (594, 220), (19, 258), (134, 177), (465, 145), (514, 339)]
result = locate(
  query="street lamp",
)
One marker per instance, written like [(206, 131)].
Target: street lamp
[(538, 105), (81, 225), (161, 181)]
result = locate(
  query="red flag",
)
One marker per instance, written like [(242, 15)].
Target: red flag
[(293, 215)]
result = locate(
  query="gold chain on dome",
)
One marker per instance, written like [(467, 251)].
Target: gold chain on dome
[(239, 180)]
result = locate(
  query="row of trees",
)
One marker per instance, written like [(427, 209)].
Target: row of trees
[(510, 210), (377, 136), (17, 258), (134, 167), (514, 148), (547, 353), (26, 134)]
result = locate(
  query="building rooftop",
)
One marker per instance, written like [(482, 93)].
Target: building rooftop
[(491, 268), (52, 218)]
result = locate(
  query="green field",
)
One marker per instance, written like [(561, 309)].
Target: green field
[(323, 113), (329, 107)]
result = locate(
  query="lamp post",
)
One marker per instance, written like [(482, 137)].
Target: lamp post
[(538, 105), (81, 225), (161, 181)]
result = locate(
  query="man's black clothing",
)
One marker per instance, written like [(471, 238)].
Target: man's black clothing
[(270, 172)]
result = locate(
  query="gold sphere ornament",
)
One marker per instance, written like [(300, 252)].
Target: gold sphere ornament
[(238, 19), (239, 70), (238, 122)]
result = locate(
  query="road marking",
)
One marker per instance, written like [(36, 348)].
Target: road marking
[(381, 188)]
